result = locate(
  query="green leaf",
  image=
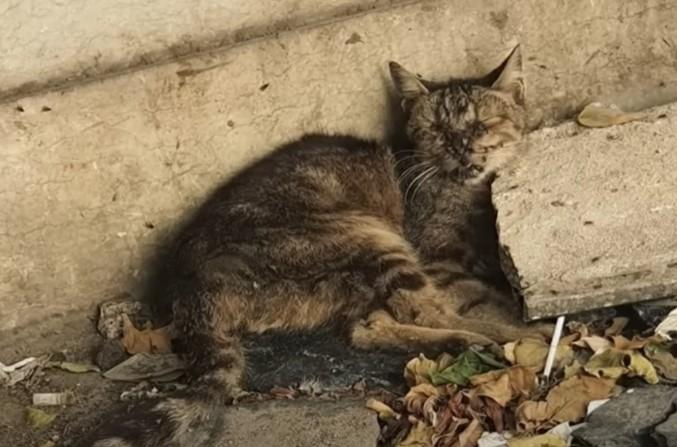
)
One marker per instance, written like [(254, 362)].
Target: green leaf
[(468, 364)]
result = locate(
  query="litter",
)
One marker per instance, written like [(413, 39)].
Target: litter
[(52, 399), (145, 366)]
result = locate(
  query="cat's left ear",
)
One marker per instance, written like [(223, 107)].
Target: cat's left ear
[(408, 85), (511, 78)]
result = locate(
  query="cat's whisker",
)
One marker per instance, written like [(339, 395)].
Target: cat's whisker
[(411, 170), (418, 177), (427, 178)]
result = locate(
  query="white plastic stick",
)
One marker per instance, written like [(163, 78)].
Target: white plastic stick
[(556, 336)]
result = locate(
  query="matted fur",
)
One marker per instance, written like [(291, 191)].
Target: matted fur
[(327, 231)]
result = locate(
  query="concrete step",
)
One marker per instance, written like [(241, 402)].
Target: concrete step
[(96, 176), (588, 216)]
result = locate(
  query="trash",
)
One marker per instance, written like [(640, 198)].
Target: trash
[(599, 115), (147, 340), (38, 419), (668, 325), (47, 399), (144, 366), (22, 370), (466, 365), (77, 368), (111, 316)]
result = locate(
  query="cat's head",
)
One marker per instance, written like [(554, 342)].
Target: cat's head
[(468, 129)]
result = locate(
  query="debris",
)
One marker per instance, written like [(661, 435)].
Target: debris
[(599, 115), (663, 360), (466, 365), (532, 353), (288, 393), (492, 439), (77, 368), (668, 325), (566, 402), (148, 340), (22, 370), (420, 435), (552, 349), (111, 316), (505, 385), (38, 419), (110, 354), (143, 366), (629, 417), (47, 399), (614, 363), (545, 440)]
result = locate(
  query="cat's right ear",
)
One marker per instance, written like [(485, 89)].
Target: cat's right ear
[(408, 85)]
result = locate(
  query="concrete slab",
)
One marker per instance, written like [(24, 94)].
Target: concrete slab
[(588, 216), (50, 43), (93, 178)]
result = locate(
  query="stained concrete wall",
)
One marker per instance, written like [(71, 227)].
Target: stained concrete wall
[(49, 43), (93, 176)]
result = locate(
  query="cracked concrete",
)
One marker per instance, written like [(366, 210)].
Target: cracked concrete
[(588, 215), (95, 176)]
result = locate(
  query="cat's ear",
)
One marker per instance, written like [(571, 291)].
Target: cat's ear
[(510, 76), (408, 85)]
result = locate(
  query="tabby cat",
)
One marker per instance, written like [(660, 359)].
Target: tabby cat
[(327, 231)]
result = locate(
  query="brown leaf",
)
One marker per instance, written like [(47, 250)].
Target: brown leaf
[(287, 393), (506, 384), (663, 360), (567, 402), (532, 353), (420, 435), (470, 436), (594, 342), (417, 396), (623, 343), (147, 340), (418, 370), (614, 363), (600, 115), (545, 440), (617, 326)]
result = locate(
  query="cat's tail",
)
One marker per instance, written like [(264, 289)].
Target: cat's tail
[(190, 418)]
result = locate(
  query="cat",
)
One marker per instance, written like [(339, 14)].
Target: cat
[(326, 231)]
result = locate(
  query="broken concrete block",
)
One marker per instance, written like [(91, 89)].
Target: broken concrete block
[(628, 420), (587, 217)]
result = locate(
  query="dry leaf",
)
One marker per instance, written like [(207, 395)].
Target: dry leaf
[(285, 393), (595, 343), (509, 352), (600, 115), (567, 402), (574, 368), (614, 363), (617, 326), (38, 419), (148, 340), (663, 361), (383, 410), (418, 395), (505, 385), (77, 368), (668, 326), (470, 436), (420, 435), (623, 343), (418, 370), (532, 353), (545, 440)]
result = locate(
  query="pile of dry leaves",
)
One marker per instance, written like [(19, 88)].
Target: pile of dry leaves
[(492, 398)]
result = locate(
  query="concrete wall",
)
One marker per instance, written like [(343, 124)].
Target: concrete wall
[(93, 176), (48, 43)]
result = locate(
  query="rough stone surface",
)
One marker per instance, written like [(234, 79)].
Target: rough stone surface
[(666, 432), (47, 43), (588, 217), (628, 420), (96, 176)]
